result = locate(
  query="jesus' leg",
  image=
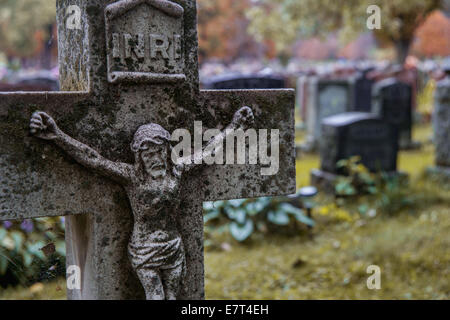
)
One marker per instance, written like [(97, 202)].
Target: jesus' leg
[(171, 279), (151, 281)]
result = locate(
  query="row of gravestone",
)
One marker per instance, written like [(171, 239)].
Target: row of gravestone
[(388, 99), (239, 81), (319, 98), (345, 117), (369, 114), (375, 138), (356, 117)]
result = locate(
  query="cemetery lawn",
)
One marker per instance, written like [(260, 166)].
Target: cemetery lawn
[(411, 247), (54, 290), (411, 250)]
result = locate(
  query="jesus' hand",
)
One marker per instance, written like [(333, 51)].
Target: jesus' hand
[(43, 126), (243, 118)]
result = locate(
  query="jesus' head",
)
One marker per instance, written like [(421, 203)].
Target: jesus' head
[(151, 146)]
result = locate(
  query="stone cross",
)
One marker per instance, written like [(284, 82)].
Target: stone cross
[(130, 74)]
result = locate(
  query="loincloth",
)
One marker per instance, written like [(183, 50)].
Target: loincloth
[(157, 251)]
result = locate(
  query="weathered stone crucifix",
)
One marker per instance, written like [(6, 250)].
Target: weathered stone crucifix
[(132, 68)]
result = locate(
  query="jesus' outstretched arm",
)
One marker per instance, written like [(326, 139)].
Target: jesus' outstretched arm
[(44, 127), (242, 119)]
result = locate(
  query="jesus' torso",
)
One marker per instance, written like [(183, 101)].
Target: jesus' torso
[(155, 205)]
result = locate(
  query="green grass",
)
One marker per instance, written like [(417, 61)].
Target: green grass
[(415, 161), (412, 251), (304, 167)]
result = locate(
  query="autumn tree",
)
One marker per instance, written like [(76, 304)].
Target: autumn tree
[(285, 20), (222, 29), (433, 37), (25, 25)]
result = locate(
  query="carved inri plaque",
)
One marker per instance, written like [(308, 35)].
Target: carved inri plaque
[(145, 41)]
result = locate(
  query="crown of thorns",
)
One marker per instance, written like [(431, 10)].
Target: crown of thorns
[(153, 133)]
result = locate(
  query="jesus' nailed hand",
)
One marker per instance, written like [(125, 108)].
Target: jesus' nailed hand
[(152, 185)]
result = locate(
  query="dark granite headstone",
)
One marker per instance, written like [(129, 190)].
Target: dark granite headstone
[(245, 82), (363, 93), (358, 134), (392, 102)]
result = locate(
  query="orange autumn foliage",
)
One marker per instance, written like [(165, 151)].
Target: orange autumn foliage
[(222, 29), (433, 36)]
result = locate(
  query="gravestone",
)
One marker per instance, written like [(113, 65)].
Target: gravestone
[(130, 63), (423, 76), (411, 77), (326, 97), (441, 125), (355, 134), (244, 82), (392, 102), (363, 93), (301, 107), (302, 96)]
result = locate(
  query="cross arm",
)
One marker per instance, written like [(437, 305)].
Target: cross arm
[(44, 126), (37, 179), (273, 110), (242, 119), (59, 98)]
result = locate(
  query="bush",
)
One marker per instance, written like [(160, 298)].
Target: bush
[(389, 192), (31, 250), (242, 218), (357, 180)]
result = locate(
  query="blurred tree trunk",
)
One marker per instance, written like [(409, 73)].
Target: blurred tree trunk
[(46, 60), (402, 49)]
